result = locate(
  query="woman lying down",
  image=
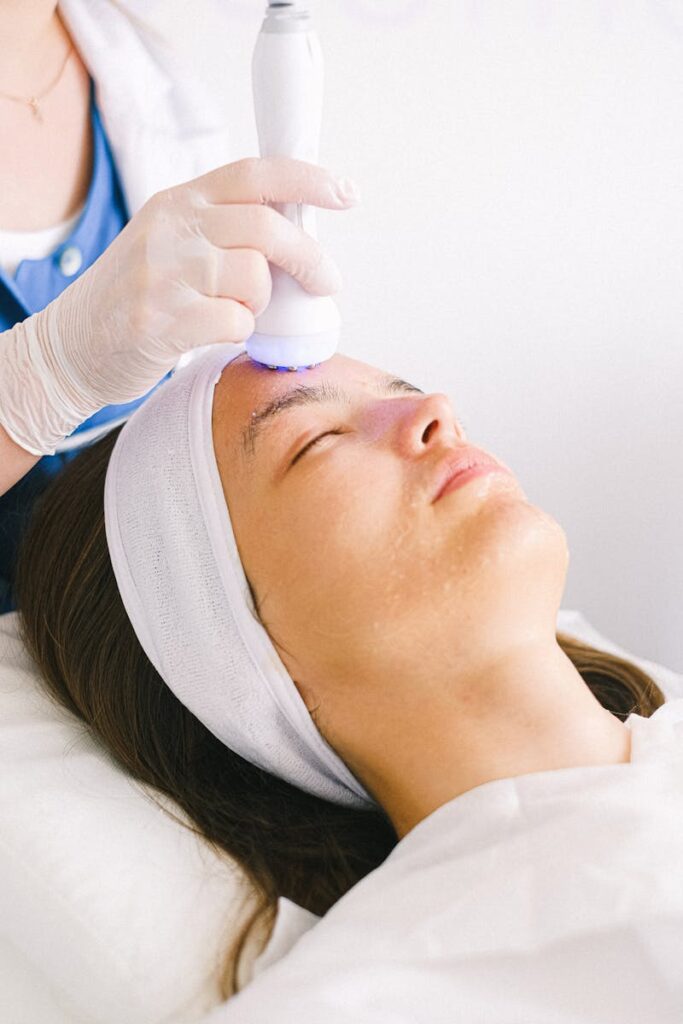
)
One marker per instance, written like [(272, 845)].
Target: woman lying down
[(272, 600)]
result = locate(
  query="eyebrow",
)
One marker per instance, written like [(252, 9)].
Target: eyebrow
[(317, 394)]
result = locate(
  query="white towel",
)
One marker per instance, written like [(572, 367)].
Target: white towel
[(181, 580)]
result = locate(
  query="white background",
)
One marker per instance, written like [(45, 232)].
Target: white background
[(520, 247)]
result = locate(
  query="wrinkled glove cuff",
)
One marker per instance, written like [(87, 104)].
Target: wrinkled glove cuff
[(38, 407)]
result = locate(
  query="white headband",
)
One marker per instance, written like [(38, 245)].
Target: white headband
[(181, 580)]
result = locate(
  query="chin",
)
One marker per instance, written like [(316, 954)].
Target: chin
[(506, 533)]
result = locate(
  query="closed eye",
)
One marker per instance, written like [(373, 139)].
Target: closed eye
[(313, 442), (392, 384)]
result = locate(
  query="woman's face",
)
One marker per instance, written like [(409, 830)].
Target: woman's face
[(359, 573)]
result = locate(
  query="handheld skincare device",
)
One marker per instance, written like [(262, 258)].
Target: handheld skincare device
[(297, 330)]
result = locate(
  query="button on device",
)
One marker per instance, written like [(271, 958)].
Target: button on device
[(71, 261)]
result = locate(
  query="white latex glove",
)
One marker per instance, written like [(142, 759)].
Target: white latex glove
[(189, 269)]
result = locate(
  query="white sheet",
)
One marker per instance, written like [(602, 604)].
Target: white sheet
[(551, 898)]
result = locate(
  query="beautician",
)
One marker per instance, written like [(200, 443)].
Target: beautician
[(126, 241)]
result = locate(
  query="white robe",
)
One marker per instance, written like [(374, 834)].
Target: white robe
[(552, 898), (162, 121)]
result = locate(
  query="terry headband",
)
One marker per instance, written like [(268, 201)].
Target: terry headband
[(178, 570)]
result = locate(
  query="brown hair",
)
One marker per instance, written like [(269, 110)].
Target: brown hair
[(288, 843)]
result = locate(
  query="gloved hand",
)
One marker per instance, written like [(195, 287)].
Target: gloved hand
[(188, 270)]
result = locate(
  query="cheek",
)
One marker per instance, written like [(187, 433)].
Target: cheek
[(331, 538)]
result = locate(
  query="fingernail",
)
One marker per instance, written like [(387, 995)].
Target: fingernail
[(348, 191)]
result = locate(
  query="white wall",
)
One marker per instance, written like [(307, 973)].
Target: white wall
[(520, 246)]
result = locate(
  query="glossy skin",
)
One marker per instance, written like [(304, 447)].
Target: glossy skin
[(420, 634)]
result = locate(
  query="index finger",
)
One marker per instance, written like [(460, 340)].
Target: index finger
[(275, 179)]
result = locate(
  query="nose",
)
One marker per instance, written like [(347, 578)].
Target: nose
[(427, 422)]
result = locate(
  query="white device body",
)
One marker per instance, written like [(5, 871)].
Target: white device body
[(296, 329)]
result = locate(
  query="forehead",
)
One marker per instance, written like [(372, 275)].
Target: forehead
[(261, 383), (244, 387)]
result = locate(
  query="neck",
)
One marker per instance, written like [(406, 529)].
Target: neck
[(526, 709), (31, 33)]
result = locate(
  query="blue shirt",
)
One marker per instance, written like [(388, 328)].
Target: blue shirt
[(35, 284)]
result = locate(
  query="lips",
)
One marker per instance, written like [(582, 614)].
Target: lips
[(457, 462)]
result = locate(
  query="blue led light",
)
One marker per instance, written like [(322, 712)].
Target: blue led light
[(284, 369)]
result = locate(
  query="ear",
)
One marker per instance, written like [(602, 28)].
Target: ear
[(309, 697), (307, 691)]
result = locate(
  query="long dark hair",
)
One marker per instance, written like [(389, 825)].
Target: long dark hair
[(287, 842)]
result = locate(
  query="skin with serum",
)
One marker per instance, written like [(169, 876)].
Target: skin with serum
[(420, 626)]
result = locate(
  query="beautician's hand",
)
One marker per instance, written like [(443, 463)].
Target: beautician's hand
[(189, 269)]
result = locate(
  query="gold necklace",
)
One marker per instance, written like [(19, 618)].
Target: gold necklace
[(33, 101)]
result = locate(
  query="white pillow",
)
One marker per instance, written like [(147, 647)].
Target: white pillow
[(111, 912), (573, 622)]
